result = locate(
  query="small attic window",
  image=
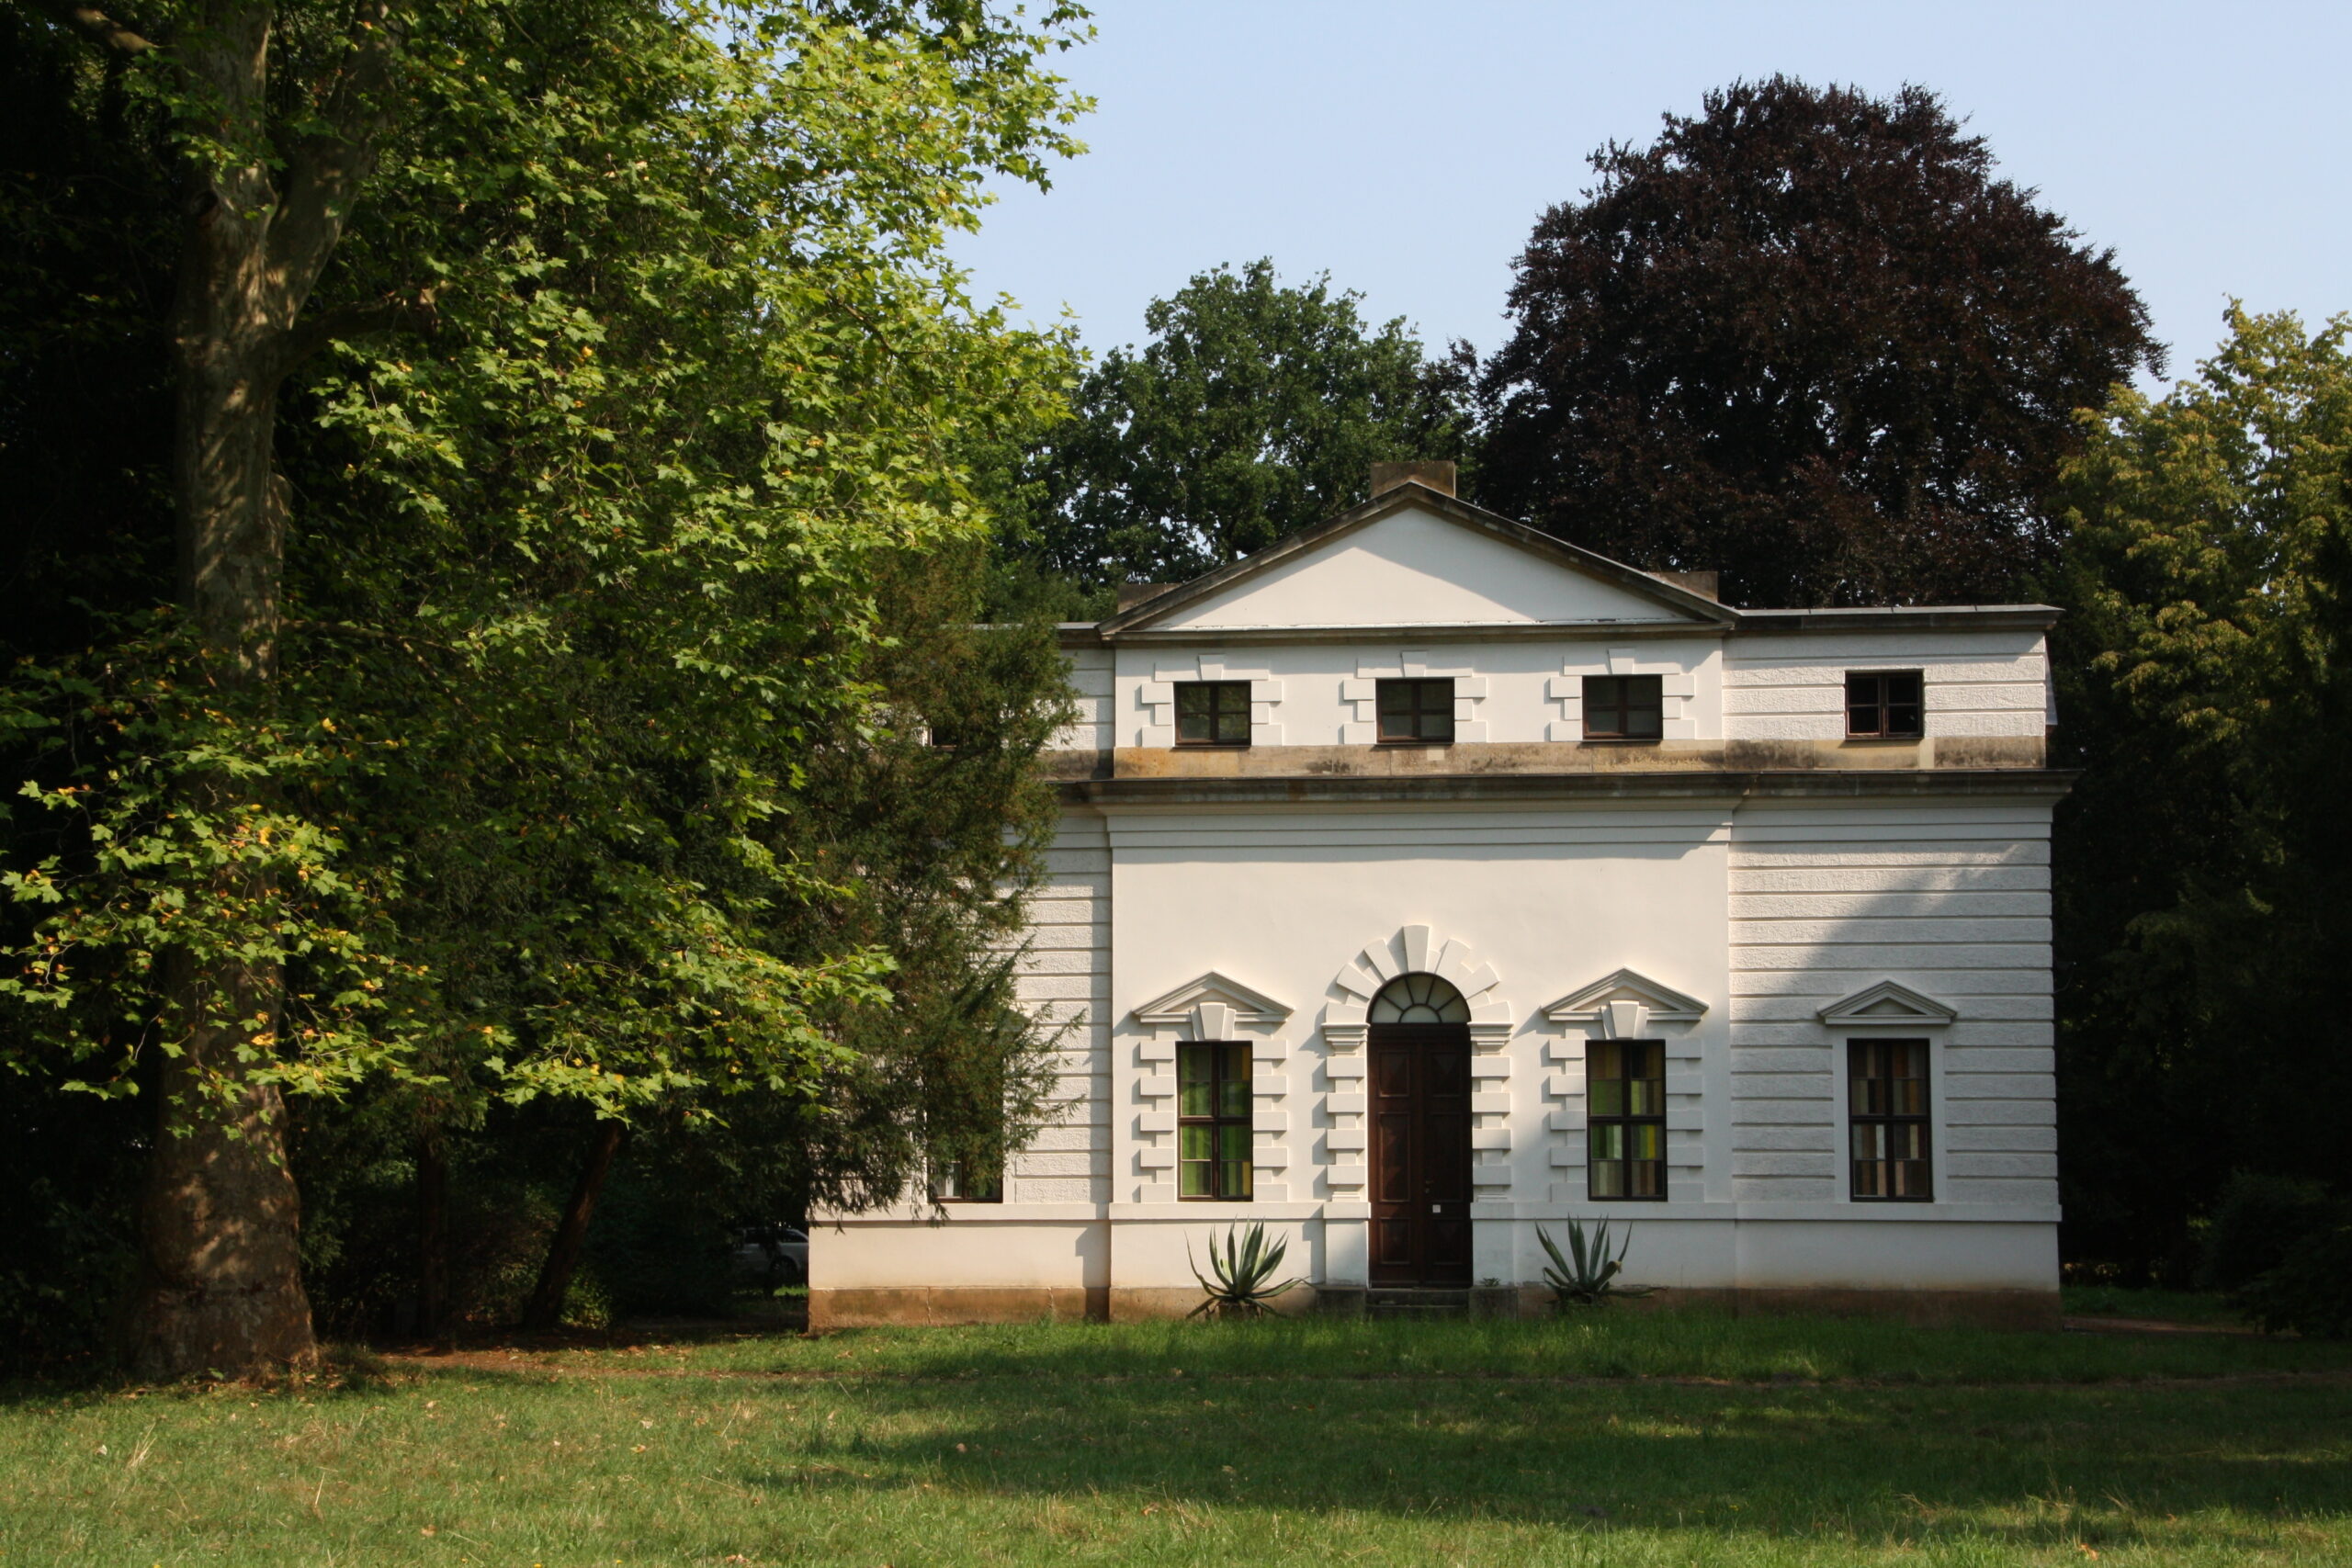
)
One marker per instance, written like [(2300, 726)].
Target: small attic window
[(1213, 713), (1624, 707), (1885, 704), (1416, 712)]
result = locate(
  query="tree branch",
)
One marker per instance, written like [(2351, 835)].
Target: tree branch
[(347, 321), (324, 171), (92, 23)]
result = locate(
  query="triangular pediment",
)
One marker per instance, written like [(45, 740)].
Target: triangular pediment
[(1181, 1005), (1661, 1003), (1417, 557), (1888, 1003)]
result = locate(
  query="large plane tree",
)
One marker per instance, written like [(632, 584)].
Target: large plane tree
[(450, 454)]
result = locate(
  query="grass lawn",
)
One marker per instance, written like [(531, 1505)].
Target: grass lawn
[(1622, 1439), (2175, 1307)]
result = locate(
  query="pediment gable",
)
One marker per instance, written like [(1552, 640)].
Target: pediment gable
[(1624, 1004), (1214, 1005), (1888, 1004), (1417, 557)]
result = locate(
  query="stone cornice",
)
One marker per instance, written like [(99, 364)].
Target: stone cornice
[(1822, 784)]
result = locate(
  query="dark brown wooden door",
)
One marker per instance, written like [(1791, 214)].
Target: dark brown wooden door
[(1421, 1154)]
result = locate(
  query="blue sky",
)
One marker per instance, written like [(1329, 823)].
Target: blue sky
[(1408, 147)]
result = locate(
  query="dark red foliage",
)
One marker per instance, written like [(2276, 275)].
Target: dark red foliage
[(1809, 339)]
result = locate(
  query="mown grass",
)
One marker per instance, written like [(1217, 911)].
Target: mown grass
[(2172, 1306), (1613, 1344), (1625, 1440)]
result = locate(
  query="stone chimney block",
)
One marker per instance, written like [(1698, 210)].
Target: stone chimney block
[(1437, 476), (1702, 583)]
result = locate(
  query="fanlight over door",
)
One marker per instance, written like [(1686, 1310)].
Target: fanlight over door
[(1421, 1134), (1419, 999)]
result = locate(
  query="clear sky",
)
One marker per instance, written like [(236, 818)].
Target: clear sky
[(1407, 146)]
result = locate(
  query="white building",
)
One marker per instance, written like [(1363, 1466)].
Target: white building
[(1423, 880)]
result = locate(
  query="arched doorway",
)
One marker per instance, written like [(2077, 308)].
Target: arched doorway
[(1419, 1046)]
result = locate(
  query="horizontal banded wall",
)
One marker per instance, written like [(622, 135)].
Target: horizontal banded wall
[(1952, 900), (1090, 683), (1065, 979), (1977, 683)]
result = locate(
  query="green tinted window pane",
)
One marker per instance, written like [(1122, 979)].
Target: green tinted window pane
[(1193, 1179), (1195, 1142), (1195, 717), (1194, 1062), (1237, 1180), (1605, 1098), (1233, 1143), (1644, 1098), (1647, 1139), (1605, 1179), (1608, 1059), (1194, 1100), (1606, 1143)]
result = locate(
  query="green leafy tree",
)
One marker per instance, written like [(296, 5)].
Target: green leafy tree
[(1808, 339), (532, 399), (1254, 410), (2206, 670)]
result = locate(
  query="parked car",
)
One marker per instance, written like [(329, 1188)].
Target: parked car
[(774, 1255)]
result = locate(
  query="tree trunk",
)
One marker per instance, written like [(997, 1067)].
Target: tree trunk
[(221, 1281), (220, 1286), (432, 1236), (546, 1308)]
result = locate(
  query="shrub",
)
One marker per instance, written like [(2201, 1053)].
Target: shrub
[(2256, 1226), (2311, 1292)]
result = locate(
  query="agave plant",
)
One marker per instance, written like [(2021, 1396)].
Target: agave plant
[(1587, 1275), (1237, 1279)]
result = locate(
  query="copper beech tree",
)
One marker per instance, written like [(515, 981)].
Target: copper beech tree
[(1809, 339), (548, 386)]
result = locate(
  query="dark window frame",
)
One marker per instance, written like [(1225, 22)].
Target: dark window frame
[(1220, 708), (1874, 701), (992, 1189), (1886, 1117), (1419, 709), (1627, 1122), (1616, 698), (1226, 1128)]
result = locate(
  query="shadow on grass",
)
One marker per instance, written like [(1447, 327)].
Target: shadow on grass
[(2042, 1466), (1692, 1344)]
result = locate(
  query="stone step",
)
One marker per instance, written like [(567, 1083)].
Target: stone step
[(1417, 1303)]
